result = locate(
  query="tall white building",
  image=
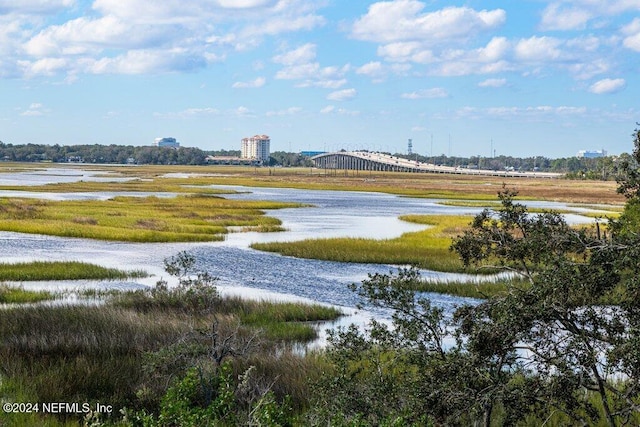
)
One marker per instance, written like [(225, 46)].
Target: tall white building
[(256, 147)]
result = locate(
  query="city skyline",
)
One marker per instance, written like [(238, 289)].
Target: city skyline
[(461, 78)]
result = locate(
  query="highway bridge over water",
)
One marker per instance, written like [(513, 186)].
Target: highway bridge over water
[(372, 161)]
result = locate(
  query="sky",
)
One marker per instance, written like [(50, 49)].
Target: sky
[(461, 78)]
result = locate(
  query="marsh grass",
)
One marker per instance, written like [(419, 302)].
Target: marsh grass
[(153, 178), (479, 290), (427, 249), (86, 352), (147, 219), (470, 203), (285, 321), (62, 270), (13, 295), (127, 351)]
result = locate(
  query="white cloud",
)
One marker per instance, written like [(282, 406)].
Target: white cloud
[(538, 49), (330, 109), (377, 71), (43, 67), (539, 113), (403, 20), (8, 7), (257, 83), (36, 109), (556, 17), (446, 41), (287, 112), (190, 113), (590, 69), (279, 25), (405, 51), (632, 33), (342, 95), (172, 11), (147, 61), (243, 4), (243, 112), (301, 55), (495, 50), (436, 92), (607, 86), (83, 35), (493, 83), (373, 69), (192, 34), (298, 65), (579, 14)]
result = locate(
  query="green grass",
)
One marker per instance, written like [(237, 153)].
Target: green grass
[(62, 270), (187, 218), (481, 290), (282, 321), (471, 203), (427, 249), (11, 295)]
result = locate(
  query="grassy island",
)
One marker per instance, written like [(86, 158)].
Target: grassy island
[(185, 218), (62, 270), (427, 249)]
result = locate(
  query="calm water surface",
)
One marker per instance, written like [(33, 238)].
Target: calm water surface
[(247, 272)]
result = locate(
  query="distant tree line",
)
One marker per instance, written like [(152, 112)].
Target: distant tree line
[(123, 154), (282, 158), (604, 168), (97, 153)]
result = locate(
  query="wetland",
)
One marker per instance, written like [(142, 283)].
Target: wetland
[(119, 248)]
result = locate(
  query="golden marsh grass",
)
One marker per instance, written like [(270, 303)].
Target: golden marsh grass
[(426, 249), (185, 218)]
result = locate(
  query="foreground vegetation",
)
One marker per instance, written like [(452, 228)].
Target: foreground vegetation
[(149, 353)]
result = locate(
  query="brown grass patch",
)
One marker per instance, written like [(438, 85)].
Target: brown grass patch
[(149, 224), (85, 220)]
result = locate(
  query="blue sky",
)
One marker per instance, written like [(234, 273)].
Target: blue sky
[(521, 77)]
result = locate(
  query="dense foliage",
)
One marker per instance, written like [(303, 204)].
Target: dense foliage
[(601, 168), (97, 153), (560, 347)]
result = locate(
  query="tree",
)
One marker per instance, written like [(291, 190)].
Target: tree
[(564, 339), (629, 182), (577, 321), (418, 371)]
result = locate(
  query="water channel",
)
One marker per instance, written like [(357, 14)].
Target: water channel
[(242, 270)]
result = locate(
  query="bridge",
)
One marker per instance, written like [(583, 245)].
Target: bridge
[(373, 161)]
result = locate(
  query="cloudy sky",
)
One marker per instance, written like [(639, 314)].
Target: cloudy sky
[(462, 78)]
